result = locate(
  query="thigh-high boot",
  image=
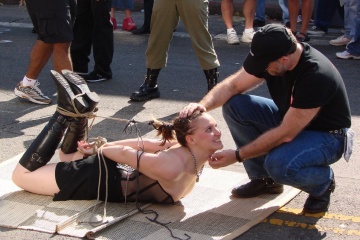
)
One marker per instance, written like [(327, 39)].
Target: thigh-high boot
[(43, 147)]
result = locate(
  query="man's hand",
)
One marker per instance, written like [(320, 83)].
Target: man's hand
[(222, 158), (190, 108)]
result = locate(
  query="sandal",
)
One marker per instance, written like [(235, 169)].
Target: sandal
[(302, 37)]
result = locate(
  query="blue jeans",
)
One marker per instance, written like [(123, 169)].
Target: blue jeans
[(354, 47), (260, 10), (325, 12), (350, 15), (285, 11), (302, 163)]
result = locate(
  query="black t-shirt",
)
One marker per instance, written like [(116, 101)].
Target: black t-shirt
[(314, 82)]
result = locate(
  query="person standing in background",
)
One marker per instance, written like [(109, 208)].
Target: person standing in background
[(325, 12), (55, 33), (227, 11), (165, 18), (128, 22), (306, 13), (350, 15), (260, 17), (285, 12), (145, 28), (353, 48), (93, 30)]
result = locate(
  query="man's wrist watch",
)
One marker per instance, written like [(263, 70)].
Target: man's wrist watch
[(237, 155)]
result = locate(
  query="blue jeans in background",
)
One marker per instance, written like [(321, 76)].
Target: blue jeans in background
[(350, 15), (354, 46), (285, 11), (325, 12), (260, 10), (302, 163)]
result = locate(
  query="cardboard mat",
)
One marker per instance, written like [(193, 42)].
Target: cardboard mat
[(209, 212)]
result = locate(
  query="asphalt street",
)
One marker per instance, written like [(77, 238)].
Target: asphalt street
[(181, 82)]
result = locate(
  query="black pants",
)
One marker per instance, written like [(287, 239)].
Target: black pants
[(93, 29)]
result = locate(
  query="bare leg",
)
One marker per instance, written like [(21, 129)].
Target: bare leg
[(69, 157), (39, 56), (61, 56), (306, 12), (227, 11), (127, 13), (249, 13), (293, 6), (41, 181), (112, 12)]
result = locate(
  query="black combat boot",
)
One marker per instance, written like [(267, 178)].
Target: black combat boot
[(149, 88), (43, 147), (257, 187), (321, 203), (212, 76)]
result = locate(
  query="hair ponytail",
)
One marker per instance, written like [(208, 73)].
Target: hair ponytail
[(164, 129)]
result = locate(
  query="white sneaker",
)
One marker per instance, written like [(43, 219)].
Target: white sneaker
[(346, 55), (232, 38), (33, 94), (340, 41), (247, 37)]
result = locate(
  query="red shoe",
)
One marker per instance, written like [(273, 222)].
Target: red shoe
[(113, 20), (128, 24)]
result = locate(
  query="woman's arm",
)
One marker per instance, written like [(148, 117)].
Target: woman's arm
[(150, 145), (161, 166)]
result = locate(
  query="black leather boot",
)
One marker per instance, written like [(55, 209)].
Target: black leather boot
[(256, 187), (43, 147), (66, 98), (319, 204), (79, 87), (212, 76), (76, 131), (149, 88)]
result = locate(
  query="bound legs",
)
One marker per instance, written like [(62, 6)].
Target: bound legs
[(32, 173)]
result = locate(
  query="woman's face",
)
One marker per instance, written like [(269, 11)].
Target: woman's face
[(206, 132)]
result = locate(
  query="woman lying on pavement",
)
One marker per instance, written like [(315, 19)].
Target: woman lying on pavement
[(167, 169)]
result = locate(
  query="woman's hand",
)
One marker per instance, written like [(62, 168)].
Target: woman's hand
[(86, 149)]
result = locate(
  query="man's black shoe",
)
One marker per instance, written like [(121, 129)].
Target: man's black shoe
[(258, 23), (141, 31), (95, 77), (256, 187), (145, 92), (319, 204)]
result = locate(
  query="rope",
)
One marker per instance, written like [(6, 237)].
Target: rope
[(99, 142), (139, 153)]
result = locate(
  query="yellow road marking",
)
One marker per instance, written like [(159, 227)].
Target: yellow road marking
[(342, 231), (295, 211)]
